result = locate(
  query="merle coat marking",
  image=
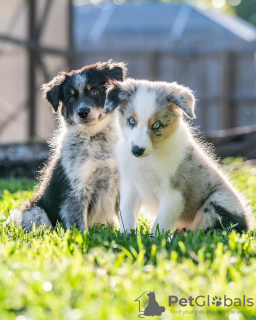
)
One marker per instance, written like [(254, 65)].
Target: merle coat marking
[(80, 184), (164, 168)]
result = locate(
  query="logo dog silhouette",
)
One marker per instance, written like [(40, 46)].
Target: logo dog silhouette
[(153, 308)]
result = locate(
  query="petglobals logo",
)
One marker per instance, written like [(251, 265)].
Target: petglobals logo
[(207, 301), (148, 306)]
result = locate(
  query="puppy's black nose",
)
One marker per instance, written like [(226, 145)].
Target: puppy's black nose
[(83, 112), (137, 151)]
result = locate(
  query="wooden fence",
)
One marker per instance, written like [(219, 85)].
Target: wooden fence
[(224, 82)]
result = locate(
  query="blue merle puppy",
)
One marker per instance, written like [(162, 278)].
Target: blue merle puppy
[(80, 184)]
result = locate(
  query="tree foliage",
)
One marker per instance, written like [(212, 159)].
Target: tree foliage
[(247, 10)]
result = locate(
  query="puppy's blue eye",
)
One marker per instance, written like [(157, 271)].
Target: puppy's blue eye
[(71, 99), (132, 122), (157, 125)]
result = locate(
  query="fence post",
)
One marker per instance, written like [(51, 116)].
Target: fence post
[(228, 116), (32, 69), (154, 59), (71, 60)]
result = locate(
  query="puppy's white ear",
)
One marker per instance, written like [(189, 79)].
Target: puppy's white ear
[(117, 93), (183, 98), (52, 91)]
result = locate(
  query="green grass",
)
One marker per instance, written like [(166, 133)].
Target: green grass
[(57, 274)]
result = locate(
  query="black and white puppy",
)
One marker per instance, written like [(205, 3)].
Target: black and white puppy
[(80, 184)]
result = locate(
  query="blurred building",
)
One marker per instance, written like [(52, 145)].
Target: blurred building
[(211, 53)]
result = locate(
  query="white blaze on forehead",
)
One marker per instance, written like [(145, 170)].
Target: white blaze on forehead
[(144, 104), (80, 82)]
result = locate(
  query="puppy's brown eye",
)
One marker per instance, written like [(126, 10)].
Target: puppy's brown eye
[(94, 92), (157, 125)]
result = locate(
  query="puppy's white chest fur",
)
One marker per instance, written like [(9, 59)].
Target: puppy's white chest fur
[(148, 176)]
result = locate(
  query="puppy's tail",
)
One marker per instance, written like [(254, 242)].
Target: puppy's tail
[(16, 217), (26, 218)]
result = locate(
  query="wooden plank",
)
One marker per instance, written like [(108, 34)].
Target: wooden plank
[(71, 59), (154, 65), (34, 45), (235, 142), (227, 74), (32, 5)]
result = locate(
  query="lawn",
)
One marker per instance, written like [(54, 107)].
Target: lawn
[(58, 274)]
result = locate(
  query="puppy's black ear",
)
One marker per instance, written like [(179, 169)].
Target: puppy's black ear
[(52, 91), (117, 93), (182, 97), (113, 70)]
